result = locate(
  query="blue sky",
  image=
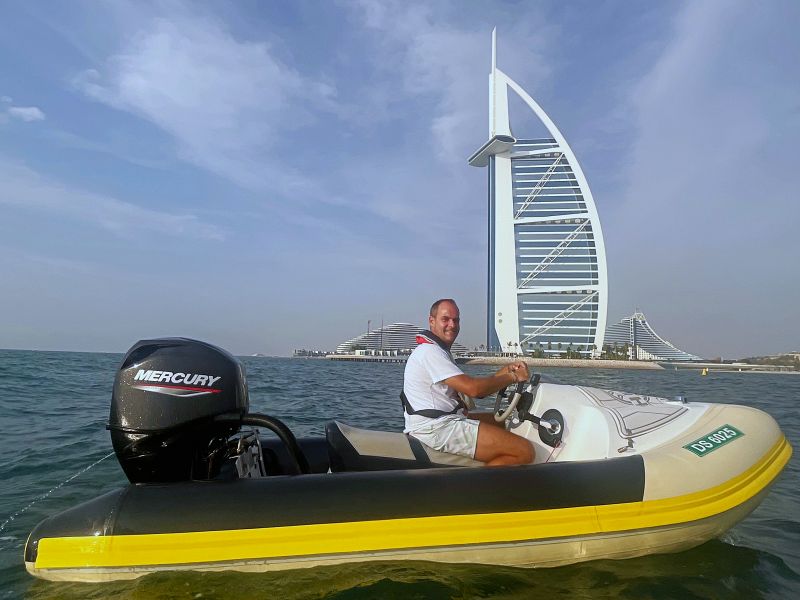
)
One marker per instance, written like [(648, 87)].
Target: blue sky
[(269, 176)]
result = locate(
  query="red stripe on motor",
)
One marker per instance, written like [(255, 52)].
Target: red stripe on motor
[(179, 387)]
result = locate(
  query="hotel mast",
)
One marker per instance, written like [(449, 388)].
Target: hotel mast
[(548, 285)]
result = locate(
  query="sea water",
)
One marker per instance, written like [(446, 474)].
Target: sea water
[(54, 408)]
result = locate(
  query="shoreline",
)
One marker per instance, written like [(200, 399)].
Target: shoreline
[(563, 363), (572, 363)]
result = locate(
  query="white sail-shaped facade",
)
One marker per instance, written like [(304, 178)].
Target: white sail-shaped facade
[(548, 284)]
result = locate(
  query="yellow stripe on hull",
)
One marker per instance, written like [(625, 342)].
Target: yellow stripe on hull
[(421, 537)]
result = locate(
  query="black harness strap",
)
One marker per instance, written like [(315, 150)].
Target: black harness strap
[(418, 450), (431, 413), (434, 338)]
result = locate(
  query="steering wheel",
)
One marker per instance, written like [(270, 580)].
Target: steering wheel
[(515, 398)]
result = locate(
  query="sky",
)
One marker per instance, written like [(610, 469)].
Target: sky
[(268, 176)]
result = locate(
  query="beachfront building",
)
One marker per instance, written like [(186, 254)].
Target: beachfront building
[(397, 337), (642, 342), (547, 288)]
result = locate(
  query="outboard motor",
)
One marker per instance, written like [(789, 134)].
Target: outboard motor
[(176, 402), (167, 397)]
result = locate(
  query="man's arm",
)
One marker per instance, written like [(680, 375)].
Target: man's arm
[(479, 387)]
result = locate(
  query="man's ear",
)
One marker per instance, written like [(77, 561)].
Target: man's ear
[(431, 321)]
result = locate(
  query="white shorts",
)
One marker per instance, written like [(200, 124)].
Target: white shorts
[(454, 434)]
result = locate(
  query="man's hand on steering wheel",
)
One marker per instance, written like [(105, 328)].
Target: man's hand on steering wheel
[(519, 370)]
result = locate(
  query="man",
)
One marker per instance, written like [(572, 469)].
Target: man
[(434, 412)]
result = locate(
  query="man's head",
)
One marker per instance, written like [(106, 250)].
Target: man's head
[(445, 320)]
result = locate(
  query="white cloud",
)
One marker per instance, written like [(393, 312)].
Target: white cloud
[(438, 56), (432, 61), (13, 256), (23, 113), (236, 108), (26, 113), (230, 105), (24, 189), (711, 179), (117, 146), (713, 108)]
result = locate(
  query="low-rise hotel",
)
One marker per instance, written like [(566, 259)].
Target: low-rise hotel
[(643, 342), (400, 337)]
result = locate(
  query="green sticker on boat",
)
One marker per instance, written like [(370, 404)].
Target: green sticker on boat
[(716, 439)]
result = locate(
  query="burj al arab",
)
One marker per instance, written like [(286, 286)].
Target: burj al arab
[(548, 284)]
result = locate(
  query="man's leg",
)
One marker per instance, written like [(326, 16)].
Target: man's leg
[(496, 447)]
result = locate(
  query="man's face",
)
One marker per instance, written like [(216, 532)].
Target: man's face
[(446, 323)]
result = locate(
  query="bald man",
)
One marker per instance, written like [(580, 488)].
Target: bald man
[(434, 413)]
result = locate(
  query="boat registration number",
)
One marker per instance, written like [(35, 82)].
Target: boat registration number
[(708, 443)]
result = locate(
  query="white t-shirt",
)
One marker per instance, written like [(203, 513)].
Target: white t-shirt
[(426, 368)]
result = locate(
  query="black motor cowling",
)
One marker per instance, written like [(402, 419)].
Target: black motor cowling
[(175, 403)]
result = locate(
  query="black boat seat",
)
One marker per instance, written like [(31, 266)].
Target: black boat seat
[(354, 449)]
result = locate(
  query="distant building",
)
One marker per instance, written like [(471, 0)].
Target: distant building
[(547, 285), (303, 353), (395, 337), (643, 341)]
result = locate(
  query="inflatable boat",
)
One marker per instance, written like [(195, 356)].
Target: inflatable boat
[(615, 475)]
